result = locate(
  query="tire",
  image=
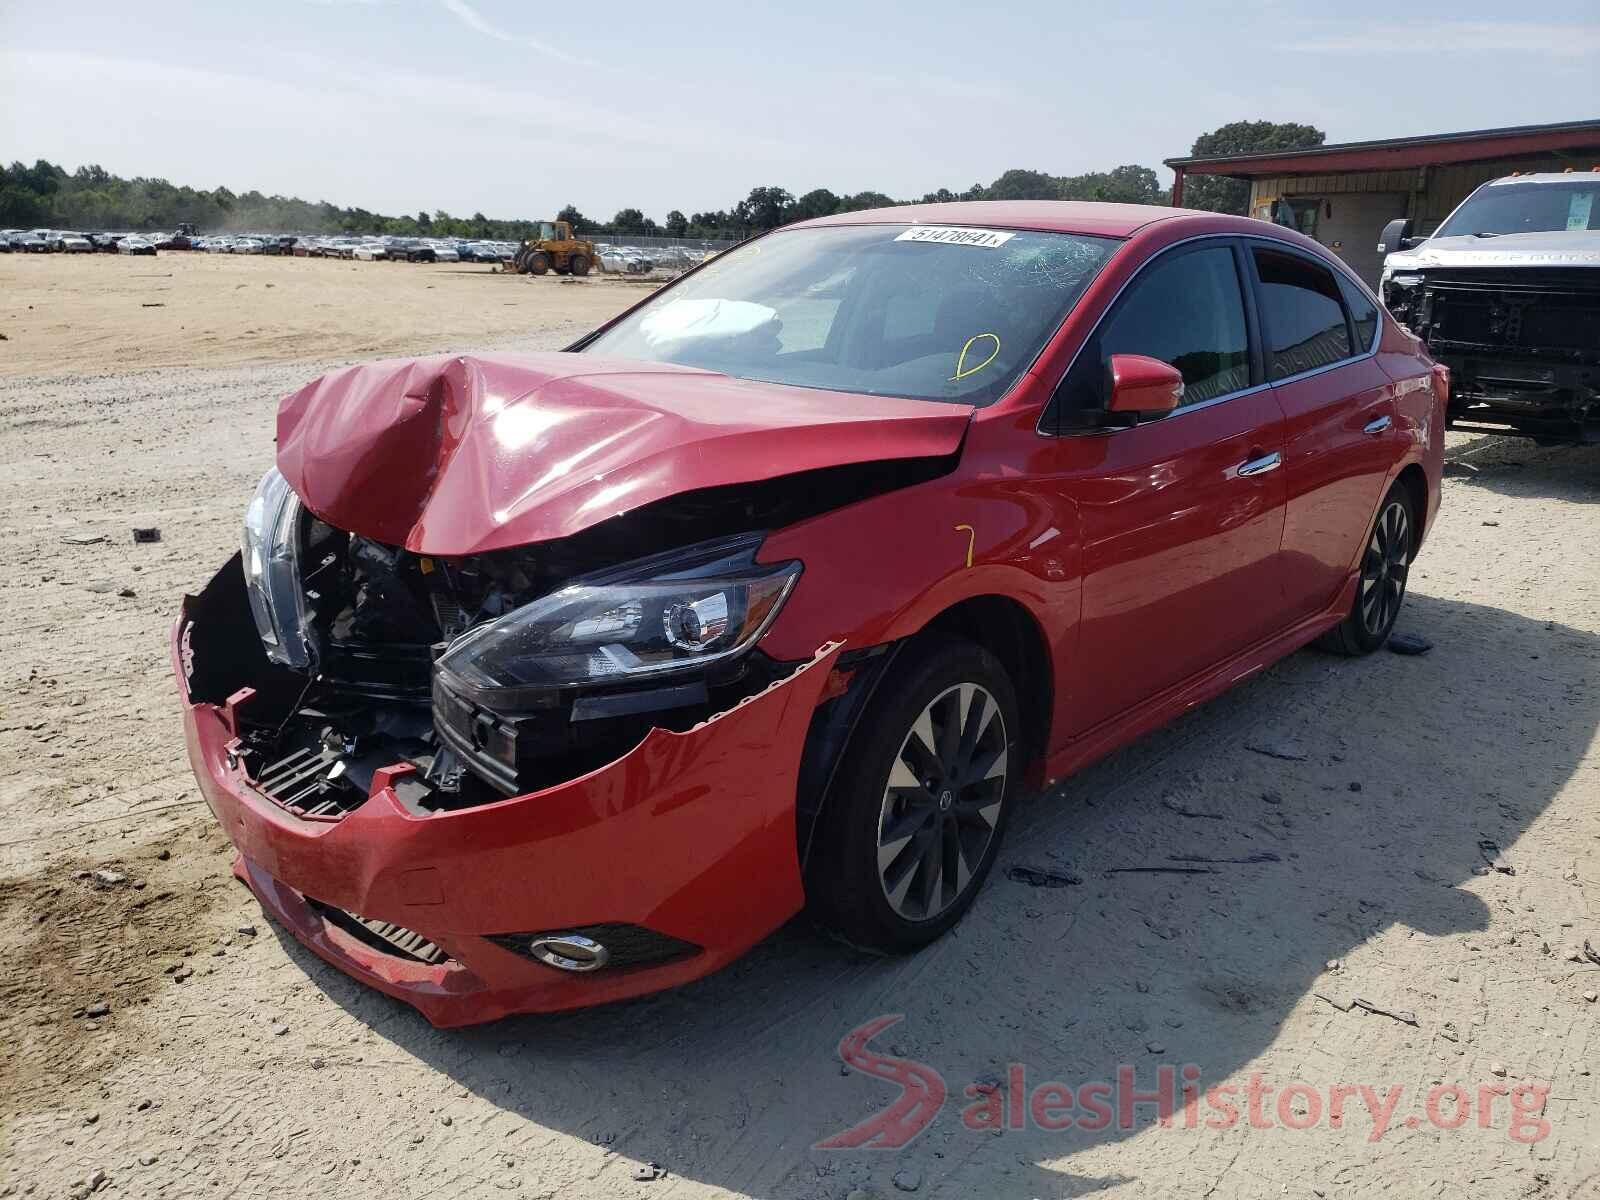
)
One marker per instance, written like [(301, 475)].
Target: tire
[(538, 263), (897, 864), (1381, 590), (580, 264)]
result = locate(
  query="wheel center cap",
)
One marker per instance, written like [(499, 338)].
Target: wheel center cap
[(946, 799)]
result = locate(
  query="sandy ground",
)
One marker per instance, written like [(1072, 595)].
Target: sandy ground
[(232, 1063), (94, 313)]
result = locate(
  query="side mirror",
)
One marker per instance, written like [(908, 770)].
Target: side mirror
[(1143, 385), (1396, 235)]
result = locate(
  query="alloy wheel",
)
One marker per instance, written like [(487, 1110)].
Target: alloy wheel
[(941, 806), (1384, 567)]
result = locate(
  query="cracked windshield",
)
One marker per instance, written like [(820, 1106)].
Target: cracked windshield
[(925, 312)]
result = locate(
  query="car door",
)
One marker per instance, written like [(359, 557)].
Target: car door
[(1181, 516), (1340, 439)]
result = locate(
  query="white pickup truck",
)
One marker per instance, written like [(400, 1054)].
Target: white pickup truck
[(1506, 293)]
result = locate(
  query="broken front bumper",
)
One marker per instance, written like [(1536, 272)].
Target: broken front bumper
[(688, 839)]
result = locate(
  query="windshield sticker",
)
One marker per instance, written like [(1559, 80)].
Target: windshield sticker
[(962, 370), (1578, 210), (952, 235)]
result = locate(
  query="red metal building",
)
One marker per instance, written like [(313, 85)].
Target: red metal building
[(1344, 194)]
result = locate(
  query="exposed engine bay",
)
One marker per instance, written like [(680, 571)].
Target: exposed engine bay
[(1522, 344), (495, 674)]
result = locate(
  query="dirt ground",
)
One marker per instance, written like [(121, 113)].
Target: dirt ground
[(1335, 819), (93, 313)]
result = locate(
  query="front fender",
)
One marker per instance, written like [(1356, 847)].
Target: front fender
[(884, 568)]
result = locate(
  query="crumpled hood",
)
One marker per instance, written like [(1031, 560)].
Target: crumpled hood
[(1578, 248), (454, 455)]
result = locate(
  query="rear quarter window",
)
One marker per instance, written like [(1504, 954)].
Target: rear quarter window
[(1363, 314)]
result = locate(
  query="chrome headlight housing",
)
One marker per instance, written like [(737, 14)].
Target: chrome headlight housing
[(271, 550), (668, 614)]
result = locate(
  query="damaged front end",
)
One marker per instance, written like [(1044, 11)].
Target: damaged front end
[(481, 702), (489, 674), (590, 841), (1522, 344)]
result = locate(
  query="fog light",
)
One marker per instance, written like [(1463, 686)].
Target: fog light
[(569, 952)]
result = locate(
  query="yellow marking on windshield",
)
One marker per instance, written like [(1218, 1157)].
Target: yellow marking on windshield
[(962, 370)]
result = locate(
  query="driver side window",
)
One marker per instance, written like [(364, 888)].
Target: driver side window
[(1187, 310)]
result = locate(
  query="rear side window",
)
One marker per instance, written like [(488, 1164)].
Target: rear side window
[(1363, 312), (1302, 313), (1186, 309)]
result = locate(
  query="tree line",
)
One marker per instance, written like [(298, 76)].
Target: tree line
[(90, 197)]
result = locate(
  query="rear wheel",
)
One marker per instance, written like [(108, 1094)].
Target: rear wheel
[(1385, 565), (921, 802), (580, 264)]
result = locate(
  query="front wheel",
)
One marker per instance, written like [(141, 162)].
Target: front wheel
[(921, 801), (538, 263), (1385, 565)]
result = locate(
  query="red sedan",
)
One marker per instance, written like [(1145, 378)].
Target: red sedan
[(544, 680)]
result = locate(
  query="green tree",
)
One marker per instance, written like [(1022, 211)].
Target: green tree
[(1019, 184), (1216, 193), (21, 206), (1129, 184), (819, 202), (573, 217), (764, 208), (716, 224), (632, 221), (864, 200), (677, 224)]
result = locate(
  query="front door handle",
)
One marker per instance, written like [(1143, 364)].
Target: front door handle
[(1377, 425), (1260, 466)]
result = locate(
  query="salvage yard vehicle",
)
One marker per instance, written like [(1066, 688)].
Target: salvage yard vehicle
[(555, 248), (136, 245), (1506, 293), (547, 680), (614, 260)]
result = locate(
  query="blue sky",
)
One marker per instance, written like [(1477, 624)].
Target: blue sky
[(515, 108)]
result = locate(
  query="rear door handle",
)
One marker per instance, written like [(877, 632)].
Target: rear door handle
[(1260, 466), (1377, 425)]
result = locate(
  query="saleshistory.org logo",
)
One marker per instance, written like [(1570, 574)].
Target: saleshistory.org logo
[(1174, 1100)]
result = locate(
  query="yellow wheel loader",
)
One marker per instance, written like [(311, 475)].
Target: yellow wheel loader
[(555, 249)]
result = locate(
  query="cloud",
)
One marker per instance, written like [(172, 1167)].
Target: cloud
[(474, 20), (1458, 37)]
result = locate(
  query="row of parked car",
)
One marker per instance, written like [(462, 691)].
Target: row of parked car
[(630, 260), (621, 260), (370, 249), (62, 241)]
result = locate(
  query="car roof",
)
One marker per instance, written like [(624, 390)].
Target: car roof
[(1549, 177), (1051, 216)]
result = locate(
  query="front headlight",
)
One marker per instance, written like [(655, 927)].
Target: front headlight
[(271, 550), (685, 610)]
